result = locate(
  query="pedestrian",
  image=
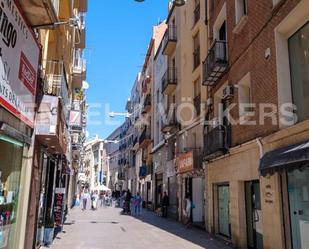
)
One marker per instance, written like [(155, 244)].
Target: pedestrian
[(165, 204), (137, 201), (128, 202), (94, 199), (102, 198), (187, 206), (85, 197)]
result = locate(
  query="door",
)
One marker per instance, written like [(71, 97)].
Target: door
[(197, 199), (224, 210), (254, 215), (298, 189)]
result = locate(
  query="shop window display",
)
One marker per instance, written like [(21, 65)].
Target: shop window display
[(11, 153)]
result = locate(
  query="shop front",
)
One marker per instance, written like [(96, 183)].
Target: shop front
[(11, 157), (292, 163), (192, 182)]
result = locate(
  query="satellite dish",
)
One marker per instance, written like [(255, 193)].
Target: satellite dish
[(85, 85)]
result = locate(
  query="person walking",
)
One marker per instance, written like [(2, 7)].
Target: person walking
[(187, 205), (85, 197), (128, 202), (94, 199), (137, 201), (165, 204)]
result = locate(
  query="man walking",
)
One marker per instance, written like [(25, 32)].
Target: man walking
[(165, 204), (85, 197)]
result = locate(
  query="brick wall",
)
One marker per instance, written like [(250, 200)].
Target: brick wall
[(246, 52)]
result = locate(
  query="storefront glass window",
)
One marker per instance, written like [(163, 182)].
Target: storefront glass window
[(298, 189), (11, 153)]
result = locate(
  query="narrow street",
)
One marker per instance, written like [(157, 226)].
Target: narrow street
[(107, 228)]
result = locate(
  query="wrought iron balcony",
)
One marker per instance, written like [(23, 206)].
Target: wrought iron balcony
[(197, 13), (145, 138), (169, 40), (197, 104), (215, 63), (147, 104), (121, 176), (169, 80), (216, 142), (169, 124)]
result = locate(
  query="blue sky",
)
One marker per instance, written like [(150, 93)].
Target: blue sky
[(118, 33)]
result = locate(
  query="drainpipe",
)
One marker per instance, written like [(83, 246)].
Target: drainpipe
[(259, 142)]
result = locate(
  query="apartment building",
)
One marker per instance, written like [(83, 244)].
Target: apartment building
[(59, 120), (251, 156), (115, 172)]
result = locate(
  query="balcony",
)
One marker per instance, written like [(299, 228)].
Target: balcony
[(55, 83), (81, 5), (39, 12), (80, 38), (145, 138), (79, 68), (196, 58), (216, 142), (169, 81), (145, 170), (147, 104), (197, 13), (169, 125), (215, 64), (169, 40)]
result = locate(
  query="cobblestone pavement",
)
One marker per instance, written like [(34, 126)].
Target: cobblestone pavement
[(107, 228)]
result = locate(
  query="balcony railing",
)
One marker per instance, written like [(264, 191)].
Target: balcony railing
[(215, 64), (169, 80), (147, 104), (169, 40), (145, 136), (197, 13), (55, 82), (196, 58), (121, 176), (79, 63), (216, 142), (169, 124)]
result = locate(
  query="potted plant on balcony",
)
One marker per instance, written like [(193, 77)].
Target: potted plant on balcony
[(78, 95), (49, 229)]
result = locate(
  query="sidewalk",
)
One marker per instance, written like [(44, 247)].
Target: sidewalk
[(107, 228)]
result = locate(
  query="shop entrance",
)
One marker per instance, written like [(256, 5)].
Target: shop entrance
[(254, 215), (198, 200), (298, 189), (224, 210)]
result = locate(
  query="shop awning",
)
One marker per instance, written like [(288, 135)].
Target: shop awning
[(289, 157)]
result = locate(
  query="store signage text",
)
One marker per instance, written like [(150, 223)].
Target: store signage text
[(19, 59), (185, 162)]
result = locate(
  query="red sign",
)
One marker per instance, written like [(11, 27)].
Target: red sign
[(185, 162), (58, 208), (27, 74), (75, 118)]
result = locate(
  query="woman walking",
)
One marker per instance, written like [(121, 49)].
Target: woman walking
[(137, 201), (187, 205)]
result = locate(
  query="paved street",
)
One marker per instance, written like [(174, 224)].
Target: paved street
[(106, 228)]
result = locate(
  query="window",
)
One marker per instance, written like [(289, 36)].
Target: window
[(244, 95), (299, 67), (11, 153), (240, 9), (196, 51), (197, 96)]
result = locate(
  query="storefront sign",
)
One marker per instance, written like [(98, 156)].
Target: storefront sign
[(75, 118), (19, 59), (185, 162), (59, 206), (170, 169)]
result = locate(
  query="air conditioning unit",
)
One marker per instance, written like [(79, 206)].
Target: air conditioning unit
[(209, 102), (228, 92)]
